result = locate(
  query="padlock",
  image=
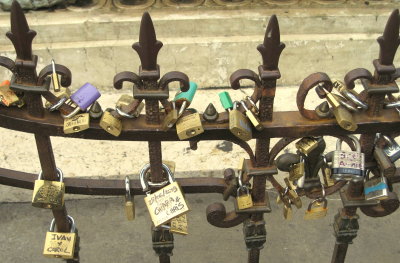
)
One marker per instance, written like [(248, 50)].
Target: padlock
[(170, 118), (49, 194), (244, 201), (166, 203), (81, 99), (392, 150), (60, 245), (129, 203), (77, 123), (7, 96), (252, 117), (184, 98), (63, 95), (296, 171), (54, 77), (253, 107), (386, 166), (189, 126), (317, 209), (342, 115), (179, 225), (375, 188), (110, 123), (129, 107), (348, 165), (307, 144), (350, 94), (327, 175), (287, 212)]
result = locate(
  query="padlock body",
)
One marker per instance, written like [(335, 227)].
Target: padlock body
[(189, 126), (85, 96), (239, 125), (166, 204), (7, 96), (59, 245), (130, 210), (254, 120), (170, 119), (386, 166), (376, 188), (179, 225), (226, 100), (124, 100), (63, 93), (316, 212), (344, 118), (244, 201), (110, 124), (307, 145), (295, 199), (392, 151), (77, 123), (327, 176), (287, 212), (347, 165), (296, 171), (48, 194)]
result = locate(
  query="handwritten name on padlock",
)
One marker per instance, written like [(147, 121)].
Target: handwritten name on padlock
[(166, 204), (59, 244)]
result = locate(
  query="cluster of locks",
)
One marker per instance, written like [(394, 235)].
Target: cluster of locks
[(339, 165)]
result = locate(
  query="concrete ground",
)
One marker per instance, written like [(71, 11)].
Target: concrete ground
[(106, 236)]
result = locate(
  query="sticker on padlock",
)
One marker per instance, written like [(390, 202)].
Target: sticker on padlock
[(166, 203), (77, 123), (60, 245), (49, 194), (348, 165), (375, 188), (129, 203)]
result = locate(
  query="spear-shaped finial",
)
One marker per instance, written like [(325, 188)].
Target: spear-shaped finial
[(272, 47), (148, 46), (20, 35), (390, 40)]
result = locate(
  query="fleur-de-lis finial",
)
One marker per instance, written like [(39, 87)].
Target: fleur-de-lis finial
[(272, 46), (390, 40), (20, 35), (148, 46)]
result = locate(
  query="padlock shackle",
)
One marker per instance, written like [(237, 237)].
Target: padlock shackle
[(59, 172), (353, 138), (128, 195), (71, 221), (144, 178)]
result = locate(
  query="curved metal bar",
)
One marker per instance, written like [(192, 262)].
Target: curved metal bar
[(175, 76), (217, 216), (126, 76), (353, 75), (109, 186), (66, 75), (7, 63)]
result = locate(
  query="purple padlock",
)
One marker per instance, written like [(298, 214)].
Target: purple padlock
[(85, 96)]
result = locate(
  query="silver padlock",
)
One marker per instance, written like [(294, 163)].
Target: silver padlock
[(392, 150), (376, 188), (348, 165)]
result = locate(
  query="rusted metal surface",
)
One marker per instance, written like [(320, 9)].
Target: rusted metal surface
[(148, 86)]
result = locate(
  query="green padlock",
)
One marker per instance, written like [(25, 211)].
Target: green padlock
[(183, 99), (226, 100)]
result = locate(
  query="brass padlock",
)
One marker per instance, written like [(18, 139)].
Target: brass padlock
[(308, 144), (385, 164), (64, 93), (179, 225), (129, 203), (296, 171), (317, 209), (49, 194), (170, 119), (244, 201), (166, 203), (189, 126), (60, 245), (129, 107), (238, 124), (77, 123), (252, 117), (287, 212), (110, 123), (327, 175), (7, 96)]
